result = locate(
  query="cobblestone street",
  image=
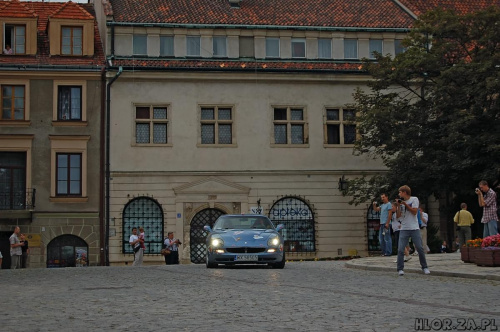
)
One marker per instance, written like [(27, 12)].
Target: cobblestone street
[(305, 296)]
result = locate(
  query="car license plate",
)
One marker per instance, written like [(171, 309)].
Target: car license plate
[(246, 258)]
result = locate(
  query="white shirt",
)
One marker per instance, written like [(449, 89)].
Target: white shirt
[(134, 238), (425, 217), (409, 220)]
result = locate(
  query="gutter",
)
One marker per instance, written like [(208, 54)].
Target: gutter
[(242, 26), (108, 128)]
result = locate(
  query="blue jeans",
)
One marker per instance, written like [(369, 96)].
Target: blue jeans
[(385, 241), (490, 228), (404, 236)]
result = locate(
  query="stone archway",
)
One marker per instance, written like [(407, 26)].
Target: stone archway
[(198, 235), (67, 251)]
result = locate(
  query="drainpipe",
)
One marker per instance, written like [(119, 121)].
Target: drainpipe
[(102, 238), (108, 128)]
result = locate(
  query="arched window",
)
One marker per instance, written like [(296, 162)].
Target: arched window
[(296, 215), (67, 251), (198, 236), (147, 213)]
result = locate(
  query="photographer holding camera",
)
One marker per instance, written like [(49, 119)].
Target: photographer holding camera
[(406, 211), (487, 199)]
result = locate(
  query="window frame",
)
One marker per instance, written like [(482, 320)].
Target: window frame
[(398, 47), (13, 99), (55, 108), (298, 41), (357, 48), (72, 28), (151, 121), (69, 179), (341, 122), (134, 41), (13, 37), (214, 38), (273, 39), (329, 41), (198, 51), (371, 47), (216, 122), (289, 124), (59, 88), (169, 37)]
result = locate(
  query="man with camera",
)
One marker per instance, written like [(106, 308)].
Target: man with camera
[(488, 201), (384, 235), (406, 210)]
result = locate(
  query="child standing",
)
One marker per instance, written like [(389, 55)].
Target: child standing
[(141, 237)]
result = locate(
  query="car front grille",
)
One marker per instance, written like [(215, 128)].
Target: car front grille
[(245, 250)]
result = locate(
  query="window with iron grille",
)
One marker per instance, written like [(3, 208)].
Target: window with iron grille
[(290, 127), (68, 174), (298, 219), (71, 40), (13, 101), (216, 125), (151, 124), (147, 213), (69, 103), (340, 126)]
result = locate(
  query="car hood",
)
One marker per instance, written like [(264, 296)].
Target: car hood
[(245, 238)]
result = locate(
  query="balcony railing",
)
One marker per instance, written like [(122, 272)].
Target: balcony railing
[(18, 200)]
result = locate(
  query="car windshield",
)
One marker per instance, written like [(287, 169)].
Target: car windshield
[(243, 222)]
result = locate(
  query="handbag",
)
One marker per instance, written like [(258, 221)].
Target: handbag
[(165, 252)]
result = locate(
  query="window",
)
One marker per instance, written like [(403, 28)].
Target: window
[(219, 45), (298, 48), (69, 174), (13, 100), (140, 44), (166, 46), (193, 45), (340, 126), (289, 125), (216, 125), (398, 47), (15, 36), (247, 47), (324, 48), (69, 103), (71, 40), (12, 180), (272, 47), (375, 46), (350, 48), (151, 124)]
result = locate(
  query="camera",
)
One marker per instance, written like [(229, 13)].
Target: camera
[(399, 200), (477, 190)]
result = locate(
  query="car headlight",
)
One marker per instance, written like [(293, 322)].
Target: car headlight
[(217, 242), (273, 241)]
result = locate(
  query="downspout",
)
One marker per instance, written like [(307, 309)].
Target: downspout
[(108, 128), (102, 238)]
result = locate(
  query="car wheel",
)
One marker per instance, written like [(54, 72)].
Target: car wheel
[(281, 264), (208, 264)]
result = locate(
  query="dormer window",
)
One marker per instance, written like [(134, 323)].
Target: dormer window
[(15, 38), (298, 48), (71, 40), (193, 46), (219, 44)]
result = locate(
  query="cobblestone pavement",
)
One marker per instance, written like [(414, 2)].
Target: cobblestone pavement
[(305, 296)]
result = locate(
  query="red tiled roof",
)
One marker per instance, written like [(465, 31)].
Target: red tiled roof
[(44, 10), (236, 65), (314, 13), (73, 11), (16, 9), (459, 6)]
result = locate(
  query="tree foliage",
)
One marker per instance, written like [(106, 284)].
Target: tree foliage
[(431, 113)]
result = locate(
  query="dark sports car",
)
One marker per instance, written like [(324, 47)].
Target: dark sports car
[(244, 239)]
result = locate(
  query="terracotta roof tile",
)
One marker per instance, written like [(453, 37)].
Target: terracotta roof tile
[(43, 58), (73, 11), (460, 6), (16, 9), (318, 13)]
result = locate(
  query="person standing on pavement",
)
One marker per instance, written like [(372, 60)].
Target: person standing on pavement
[(396, 227), (173, 245), (135, 242), (15, 249), (26, 250), (487, 199), (384, 235), (424, 217), (464, 220), (406, 210)]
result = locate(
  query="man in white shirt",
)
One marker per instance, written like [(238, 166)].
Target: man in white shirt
[(135, 242), (406, 211)]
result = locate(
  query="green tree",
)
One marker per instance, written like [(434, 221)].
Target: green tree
[(431, 114)]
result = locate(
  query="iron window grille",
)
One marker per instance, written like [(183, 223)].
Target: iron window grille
[(198, 236)]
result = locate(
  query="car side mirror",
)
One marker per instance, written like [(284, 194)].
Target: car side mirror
[(207, 228), (280, 227)]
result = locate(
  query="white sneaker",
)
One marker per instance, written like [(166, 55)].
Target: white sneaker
[(426, 271), (402, 273), (407, 258)]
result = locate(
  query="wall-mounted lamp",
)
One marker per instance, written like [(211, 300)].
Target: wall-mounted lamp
[(342, 183)]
